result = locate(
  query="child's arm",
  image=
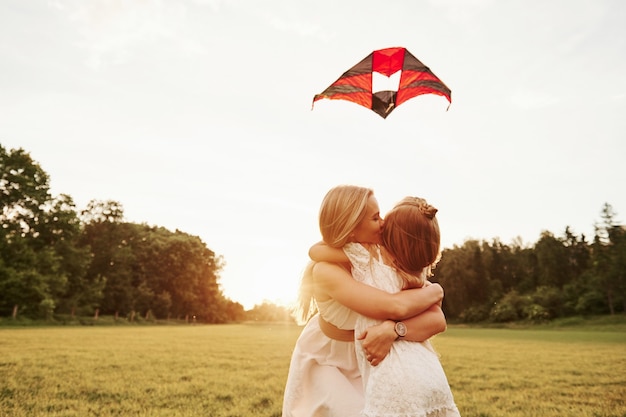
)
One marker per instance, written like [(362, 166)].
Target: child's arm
[(321, 252), (377, 340), (419, 328)]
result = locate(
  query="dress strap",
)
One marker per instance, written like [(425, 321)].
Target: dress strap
[(334, 332)]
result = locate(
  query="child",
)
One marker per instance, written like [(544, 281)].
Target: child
[(410, 381)]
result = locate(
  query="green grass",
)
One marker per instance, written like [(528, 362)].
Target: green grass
[(504, 372), (239, 370), (227, 370)]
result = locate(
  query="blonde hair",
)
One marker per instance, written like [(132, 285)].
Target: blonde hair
[(342, 209), (411, 235)]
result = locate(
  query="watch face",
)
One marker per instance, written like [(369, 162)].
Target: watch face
[(400, 329)]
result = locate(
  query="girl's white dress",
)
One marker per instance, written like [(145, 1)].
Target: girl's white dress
[(410, 381), (324, 378)]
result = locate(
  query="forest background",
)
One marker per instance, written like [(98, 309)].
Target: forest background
[(61, 265)]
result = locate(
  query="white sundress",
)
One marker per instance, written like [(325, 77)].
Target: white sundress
[(324, 378), (410, 381)]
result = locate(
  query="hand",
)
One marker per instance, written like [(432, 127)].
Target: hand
[(440, 303), (377, 341)]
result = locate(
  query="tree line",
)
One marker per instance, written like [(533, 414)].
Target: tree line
[(558, 276), (55, 260)]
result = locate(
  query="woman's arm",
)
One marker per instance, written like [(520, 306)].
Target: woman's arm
[(321, 252), (332, 281)]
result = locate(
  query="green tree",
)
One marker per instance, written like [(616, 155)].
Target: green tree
[(112, 264), (62, 233), (552, 261), (38, 235), (617, 272), (462, 274), (151, 269), (609, 259), (24, 191)]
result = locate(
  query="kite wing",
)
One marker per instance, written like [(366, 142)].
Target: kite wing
[(356, 84)]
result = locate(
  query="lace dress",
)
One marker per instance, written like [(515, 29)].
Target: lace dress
[(324, 378), (410, 381)]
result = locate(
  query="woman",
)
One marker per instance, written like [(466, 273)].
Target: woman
[(324, 378), (410, 382)]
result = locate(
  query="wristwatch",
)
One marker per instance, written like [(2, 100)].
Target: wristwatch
[(400, 329)]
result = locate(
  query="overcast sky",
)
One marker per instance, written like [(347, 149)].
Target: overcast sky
[(196, 115)]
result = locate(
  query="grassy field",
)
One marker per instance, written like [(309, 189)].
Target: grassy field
[(240, 370)]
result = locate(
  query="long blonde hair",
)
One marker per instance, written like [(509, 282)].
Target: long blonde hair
[(411, 235), (342, 209)]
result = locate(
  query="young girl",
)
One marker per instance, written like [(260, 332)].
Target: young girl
[(410, 381)]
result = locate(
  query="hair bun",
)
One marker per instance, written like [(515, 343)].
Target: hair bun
[(428, 210), (421, 204)]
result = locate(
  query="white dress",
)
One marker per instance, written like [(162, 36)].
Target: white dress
[(410, 381), (324, 378)]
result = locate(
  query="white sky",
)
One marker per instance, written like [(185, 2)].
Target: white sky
[(196, 115)]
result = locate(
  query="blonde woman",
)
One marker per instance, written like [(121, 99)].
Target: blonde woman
[(410, 381), (324, 378)]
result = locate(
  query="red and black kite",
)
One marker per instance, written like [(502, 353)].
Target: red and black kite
[(356, 84)]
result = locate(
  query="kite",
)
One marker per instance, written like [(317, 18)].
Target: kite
[(356, 84)]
